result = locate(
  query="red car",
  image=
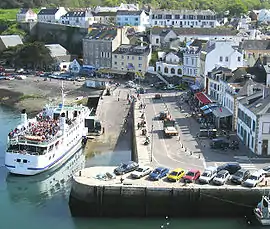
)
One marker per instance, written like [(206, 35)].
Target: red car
[(191, 176)]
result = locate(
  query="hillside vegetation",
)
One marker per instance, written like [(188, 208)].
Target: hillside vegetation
[(235, 6)]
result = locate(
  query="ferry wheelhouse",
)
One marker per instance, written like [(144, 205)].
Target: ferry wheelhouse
[(46, 141)]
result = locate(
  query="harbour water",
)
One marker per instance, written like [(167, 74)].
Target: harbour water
[(42, 201)]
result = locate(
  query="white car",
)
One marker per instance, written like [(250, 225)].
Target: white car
[(254, 179), (141, 172), (221, 177), (208, 175)]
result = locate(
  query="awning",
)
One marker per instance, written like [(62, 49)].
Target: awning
[(208, 111), (202, 98), (194, 87), (222, 112), (212, 105)]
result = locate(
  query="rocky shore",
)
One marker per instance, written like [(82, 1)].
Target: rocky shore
[(33, 93)]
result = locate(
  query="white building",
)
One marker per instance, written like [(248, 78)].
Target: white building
[(191, 61), (170, 65), (219, 53), (26, 15), (183, 18), (160, 36), (74, 67), (123, 6), (51, 15), (253, 126), (264, 16), (78, 18)]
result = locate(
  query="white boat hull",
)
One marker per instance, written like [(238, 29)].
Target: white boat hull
[(21, 169), (262, 221)]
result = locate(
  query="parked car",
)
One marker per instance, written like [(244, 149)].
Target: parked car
[(219, 143), (240, 176), (176, 174), (158, 173), (157, 96), (163, 115), (141, 172), (208, 175), (254, 179), (126, 167), (105, 176), (231, 167), (221, 177), (267, 171), (191, 176)]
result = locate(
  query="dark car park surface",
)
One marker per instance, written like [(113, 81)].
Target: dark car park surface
[(126, 167), (231, 167)]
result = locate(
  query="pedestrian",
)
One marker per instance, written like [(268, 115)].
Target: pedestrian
[(103, 130), (121, 180), (138, 125)]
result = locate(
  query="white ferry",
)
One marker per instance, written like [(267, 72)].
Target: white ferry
[(36, 189), (46, 141), (262, 211)]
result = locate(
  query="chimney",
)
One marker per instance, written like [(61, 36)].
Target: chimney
[(24, 120), (62, 121), (141, 38)]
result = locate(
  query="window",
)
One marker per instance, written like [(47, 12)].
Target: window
[(165, 70), (157, 41), (136, 19), (179, 71), (253, 125), (122, 63), (220, 58), (128, 57), (226, 59), (140, 58), (115, 56), (123, 57), (159, 68), (140, 65), (172, 71), (239, 58), (115, 62)]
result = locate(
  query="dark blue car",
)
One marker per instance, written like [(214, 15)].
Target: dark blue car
[(158, 173)]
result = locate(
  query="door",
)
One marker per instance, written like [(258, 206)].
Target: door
[(265, 147)]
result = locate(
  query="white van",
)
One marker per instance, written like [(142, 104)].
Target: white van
[(208, 175)]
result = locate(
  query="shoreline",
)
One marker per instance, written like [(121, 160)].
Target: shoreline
[(33, 93)]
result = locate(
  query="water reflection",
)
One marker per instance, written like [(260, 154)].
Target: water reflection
[(37, 189)]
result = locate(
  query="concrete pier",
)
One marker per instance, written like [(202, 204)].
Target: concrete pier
[(92, 197)]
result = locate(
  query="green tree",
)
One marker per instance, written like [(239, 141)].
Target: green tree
[(237, 8)]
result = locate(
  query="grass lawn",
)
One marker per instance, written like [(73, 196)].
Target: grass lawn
[(10, 14)]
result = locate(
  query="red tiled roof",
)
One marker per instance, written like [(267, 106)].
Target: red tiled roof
[(202, 98)]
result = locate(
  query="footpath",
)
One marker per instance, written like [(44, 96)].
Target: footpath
[(143, 151)]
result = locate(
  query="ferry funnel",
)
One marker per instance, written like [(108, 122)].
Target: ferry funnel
[(24, 121)]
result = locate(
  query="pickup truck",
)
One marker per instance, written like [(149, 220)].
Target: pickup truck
[(169, 128)]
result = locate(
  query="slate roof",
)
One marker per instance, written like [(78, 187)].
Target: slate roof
[(239, 75), (47, 11), (11, 40), (195, 31), (57, 50), (75, 14), (104, 14), (107, 34), (132, 50), (23, 10), (255, 45), (129, 12), (198, 43), (258, 104)]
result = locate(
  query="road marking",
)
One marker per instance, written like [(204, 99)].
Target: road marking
[(166, 149)]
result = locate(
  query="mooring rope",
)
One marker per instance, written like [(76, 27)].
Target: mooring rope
[(228, 201)]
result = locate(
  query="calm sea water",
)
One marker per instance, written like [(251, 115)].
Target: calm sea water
[(42, 201)]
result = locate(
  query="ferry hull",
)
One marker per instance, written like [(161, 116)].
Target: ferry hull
[(18, 169), (262, 221)]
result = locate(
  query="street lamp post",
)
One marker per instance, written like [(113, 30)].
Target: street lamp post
[(152, 140)]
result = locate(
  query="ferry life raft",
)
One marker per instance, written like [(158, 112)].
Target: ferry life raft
[(34, 138)]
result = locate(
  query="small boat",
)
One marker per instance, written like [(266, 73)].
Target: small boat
[(262, 211)]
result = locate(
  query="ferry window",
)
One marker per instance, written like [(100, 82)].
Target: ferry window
[(24, 161), (50, 148), (18, 160)]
